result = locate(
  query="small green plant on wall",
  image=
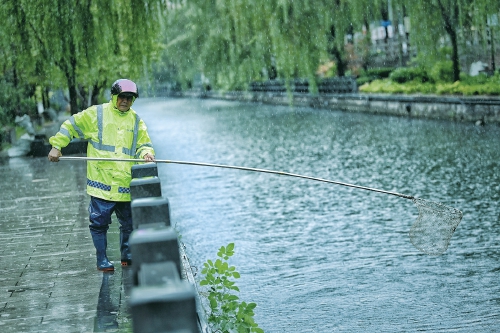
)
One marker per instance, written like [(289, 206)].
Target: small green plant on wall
[(227, 313)]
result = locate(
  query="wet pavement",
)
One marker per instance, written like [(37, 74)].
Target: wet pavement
[(49, 281)]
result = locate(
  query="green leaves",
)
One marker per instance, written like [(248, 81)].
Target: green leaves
[(227, 313), (234, 42), (479, 85), (226, 252), (80, 45)]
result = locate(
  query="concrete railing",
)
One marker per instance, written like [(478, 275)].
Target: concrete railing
[(161, 300)]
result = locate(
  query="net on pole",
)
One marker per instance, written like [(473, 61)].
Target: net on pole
[(436, 223), (431, 232)]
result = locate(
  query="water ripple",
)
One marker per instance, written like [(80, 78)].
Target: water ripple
[(324, 258)]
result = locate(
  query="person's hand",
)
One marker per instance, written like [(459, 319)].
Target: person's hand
[(149, 158), (54, 155)]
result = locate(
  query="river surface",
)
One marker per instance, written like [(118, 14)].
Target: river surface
[(319, 257)]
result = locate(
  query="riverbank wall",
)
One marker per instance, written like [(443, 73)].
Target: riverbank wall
[(479, 110)]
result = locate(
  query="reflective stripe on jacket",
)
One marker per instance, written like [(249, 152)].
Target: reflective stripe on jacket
[(111, 134)]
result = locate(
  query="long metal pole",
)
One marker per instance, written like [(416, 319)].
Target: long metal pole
[(132, 160)]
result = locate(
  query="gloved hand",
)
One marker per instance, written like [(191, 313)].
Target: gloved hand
[(54, 154)]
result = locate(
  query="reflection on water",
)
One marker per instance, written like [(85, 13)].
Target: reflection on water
[(112, 305), (107, 309), (318, 257)]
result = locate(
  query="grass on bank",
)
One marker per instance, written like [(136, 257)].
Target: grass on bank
[(414, 80), (386, 86)]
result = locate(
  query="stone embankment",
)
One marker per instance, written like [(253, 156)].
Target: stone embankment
[(477, 110)]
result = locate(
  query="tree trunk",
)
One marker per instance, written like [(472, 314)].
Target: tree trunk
[(451, 30), (337, 54), (73, 95), (95, 94), (97, 87), (493, 66), (341, 65), (71, 77), (454, 56)]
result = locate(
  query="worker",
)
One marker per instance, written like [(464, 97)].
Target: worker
[(113, 130)]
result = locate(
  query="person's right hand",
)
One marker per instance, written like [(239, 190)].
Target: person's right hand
[(54, 155)]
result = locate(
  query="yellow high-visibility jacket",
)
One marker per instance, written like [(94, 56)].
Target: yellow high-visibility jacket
[(111, 134)]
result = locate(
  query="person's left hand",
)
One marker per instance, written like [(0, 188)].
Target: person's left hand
[(149, 158)]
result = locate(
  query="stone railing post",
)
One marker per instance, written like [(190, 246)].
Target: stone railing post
[(160, 300)]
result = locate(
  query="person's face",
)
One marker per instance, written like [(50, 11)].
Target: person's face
[(124, 102)]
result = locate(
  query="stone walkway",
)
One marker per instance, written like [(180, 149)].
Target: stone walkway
[(49, 281)]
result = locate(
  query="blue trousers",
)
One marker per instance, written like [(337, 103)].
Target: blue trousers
[(100, 212)]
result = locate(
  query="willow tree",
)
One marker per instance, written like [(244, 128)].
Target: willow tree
[(432, 20), (125, 34), (89, 43), (485, 17), (15, 64), (365, 12), (228, 41), (308, 33), (234, 42), (340, 24)]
